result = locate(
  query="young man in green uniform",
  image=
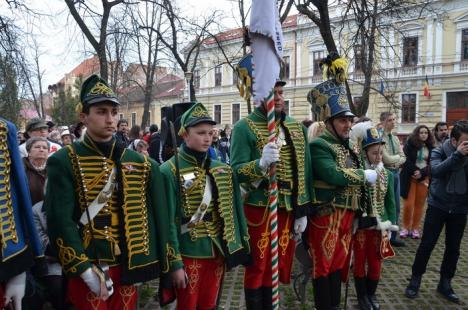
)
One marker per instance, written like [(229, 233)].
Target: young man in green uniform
[(251, 157), (339, 180), (204, 202), (105, 210)]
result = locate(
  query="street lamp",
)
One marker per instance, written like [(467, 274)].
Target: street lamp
[(188, 77)]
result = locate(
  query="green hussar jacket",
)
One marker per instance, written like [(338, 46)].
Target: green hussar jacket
[(337, 179), (293, 171), (382, 196), (223, 228), (134, 235)]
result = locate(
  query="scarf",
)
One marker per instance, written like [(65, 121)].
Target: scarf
[(457, 179)]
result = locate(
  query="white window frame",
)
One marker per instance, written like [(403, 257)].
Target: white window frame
[(221, 113), (412, 30), (315, 46), (240, 111), (416, 116), (133, 123), (461, 23), (289, 69), (221, 73), (121, 116), (289, 106)]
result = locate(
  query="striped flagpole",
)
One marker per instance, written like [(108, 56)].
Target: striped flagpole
[(273, 206)]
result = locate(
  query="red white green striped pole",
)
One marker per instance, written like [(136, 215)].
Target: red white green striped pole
[(273, 205)]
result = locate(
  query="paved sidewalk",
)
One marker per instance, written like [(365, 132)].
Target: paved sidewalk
[(396, 272)]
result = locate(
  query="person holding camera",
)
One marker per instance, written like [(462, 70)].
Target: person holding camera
[(448, 194)]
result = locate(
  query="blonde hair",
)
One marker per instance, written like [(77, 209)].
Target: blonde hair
[(315, 130)]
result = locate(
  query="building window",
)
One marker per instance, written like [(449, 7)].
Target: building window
[(410, 51), (465, 44), (235, 77), (196, 78), (408, 108), (357, 101), (235, 113), (218, 75), (284, 74), (358, 58), (121, 116), (317, 58), (217, 113), (286, 107), (133, 120)]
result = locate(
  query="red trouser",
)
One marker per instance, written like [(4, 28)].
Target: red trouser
[(258, 274), (329, 237), (81, 297), (204, 281), (367, 248)]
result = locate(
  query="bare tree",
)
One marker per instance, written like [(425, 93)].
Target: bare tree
[(146, 23), (98, 42), (183, 38), (368, 23)]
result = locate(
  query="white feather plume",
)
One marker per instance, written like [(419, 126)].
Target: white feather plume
[(359, 131)]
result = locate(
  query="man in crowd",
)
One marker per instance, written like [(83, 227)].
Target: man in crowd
[(66, 137), (393, 159), (339, 183), (251, 157), (440, 133), (19, 238), (105, 211), (37, 127), (447, 206), (122, 132)]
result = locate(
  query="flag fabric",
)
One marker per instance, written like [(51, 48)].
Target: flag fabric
[(267, 47), (382, 87), (267, 50), (426, 92)]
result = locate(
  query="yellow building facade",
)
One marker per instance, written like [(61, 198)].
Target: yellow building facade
[(432, 45)]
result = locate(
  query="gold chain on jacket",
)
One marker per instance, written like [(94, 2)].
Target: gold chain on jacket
[(7, 225)]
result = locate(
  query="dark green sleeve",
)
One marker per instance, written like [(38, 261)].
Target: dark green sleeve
[(172, 221), (63, 215), (390, 200), (326, 169), (243, 150)]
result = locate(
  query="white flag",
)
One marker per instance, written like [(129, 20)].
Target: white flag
[(267, 47)]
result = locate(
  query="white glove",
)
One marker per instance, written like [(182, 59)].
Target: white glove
[(371, 176), (14, 290), (270, 154), (393, 228), (92, 281), (300, 225), (385, 225)]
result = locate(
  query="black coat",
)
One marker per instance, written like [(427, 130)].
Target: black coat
[(409, 167)]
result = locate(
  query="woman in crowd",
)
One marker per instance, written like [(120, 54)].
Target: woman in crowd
[(35, 164), (414, 179), (134, 136)]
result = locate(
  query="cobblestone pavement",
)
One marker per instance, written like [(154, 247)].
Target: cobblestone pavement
[(396, 272)]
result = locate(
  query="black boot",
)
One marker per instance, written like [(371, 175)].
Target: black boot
[(253, 298), (413, 287), (321, 293), (445, 289), (361, 292), (267, 298), (335, 289), (371, 289)]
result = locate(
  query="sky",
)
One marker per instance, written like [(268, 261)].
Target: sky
[(61, 44)]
